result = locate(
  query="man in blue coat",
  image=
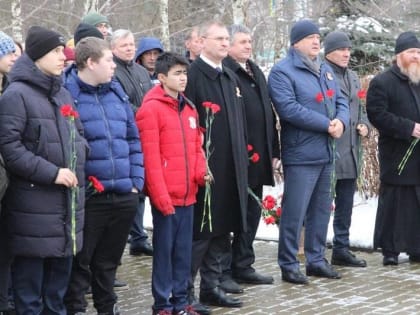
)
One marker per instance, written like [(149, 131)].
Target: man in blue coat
[(312, 115)]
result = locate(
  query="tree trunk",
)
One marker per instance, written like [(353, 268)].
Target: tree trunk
[(238, 11), (164, 24), (17, 21)]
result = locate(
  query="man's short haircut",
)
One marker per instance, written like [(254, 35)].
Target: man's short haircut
[(167, 60), (203, 30), (237, 28), (119, 34), (192, 30), (89, 47)]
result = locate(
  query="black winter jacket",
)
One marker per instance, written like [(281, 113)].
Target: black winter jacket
[(35, 143)]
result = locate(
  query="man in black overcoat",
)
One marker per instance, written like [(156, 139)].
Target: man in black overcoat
[(210, 81), (393, 107), (263, 137)]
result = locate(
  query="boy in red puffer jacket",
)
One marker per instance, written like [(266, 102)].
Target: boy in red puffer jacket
[(175, 165)]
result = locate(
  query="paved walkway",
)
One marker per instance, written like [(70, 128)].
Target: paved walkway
[(372, 290)]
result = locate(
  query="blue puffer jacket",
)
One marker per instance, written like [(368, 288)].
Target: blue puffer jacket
[(293, 88), (115, 156)]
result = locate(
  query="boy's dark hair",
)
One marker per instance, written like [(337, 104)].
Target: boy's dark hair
[(90, 47), (167, 60)]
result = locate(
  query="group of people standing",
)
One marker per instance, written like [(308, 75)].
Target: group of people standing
[(83, 148)]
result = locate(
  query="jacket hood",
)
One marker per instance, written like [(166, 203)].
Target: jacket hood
[(25, 70), (148, 43), (157, 93)]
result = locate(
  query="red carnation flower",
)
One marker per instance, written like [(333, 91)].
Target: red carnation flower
[(269, 220), (278, 211), (361, 94), (255, 157), (330, 93), (249, 147), (319, 97), (66, 110), (97, 185), (269, 202), (215, 108), (207, 104)]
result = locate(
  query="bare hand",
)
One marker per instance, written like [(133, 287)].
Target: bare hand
[(362, 129), (416, 130), (336, 128), (66, 177)]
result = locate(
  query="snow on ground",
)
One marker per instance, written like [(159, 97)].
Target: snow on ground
[(361, 231)]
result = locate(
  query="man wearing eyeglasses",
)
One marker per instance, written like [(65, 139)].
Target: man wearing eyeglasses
[(210, 81)]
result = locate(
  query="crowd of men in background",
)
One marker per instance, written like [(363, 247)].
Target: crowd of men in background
[(132, 118)]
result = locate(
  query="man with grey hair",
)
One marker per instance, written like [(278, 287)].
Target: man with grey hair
[(262, 135), (135, 81)]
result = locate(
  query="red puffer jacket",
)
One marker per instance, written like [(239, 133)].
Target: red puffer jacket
[(174, 160)]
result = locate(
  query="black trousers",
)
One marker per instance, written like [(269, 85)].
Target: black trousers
[(239, 257), (207, 256), (5, 263), (108, 218)]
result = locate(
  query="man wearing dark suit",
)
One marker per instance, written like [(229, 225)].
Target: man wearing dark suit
[(209, 81), (263, 137)]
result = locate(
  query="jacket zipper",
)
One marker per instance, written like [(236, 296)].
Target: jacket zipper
[(109, 139), (187, 171)]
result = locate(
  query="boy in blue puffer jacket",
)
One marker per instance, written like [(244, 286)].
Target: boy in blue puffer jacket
[(116, 160)]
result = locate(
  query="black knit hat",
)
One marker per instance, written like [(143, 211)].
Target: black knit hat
[(336, 40), (405, 41), (86, 30), (40, 41), (302, 29)]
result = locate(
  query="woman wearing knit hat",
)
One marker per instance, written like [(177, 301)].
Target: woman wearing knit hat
[(7, 59), (35, 139)]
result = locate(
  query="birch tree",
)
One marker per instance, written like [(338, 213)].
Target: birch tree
[(17, 21), (164, 24), (239, 11)]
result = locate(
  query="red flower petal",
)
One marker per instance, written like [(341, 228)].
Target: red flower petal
[(66, 110), (215, 108), (330, 93), (207, 104), (249, 147), (255, 157), (319, 97), (361, 94)]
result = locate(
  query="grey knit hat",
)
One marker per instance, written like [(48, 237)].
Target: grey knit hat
[(336, 40)]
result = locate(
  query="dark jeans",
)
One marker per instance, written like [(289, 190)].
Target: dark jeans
[(241, 257), (344, 193), (39, 284), (172, 242), (137, 232), (108, 218)]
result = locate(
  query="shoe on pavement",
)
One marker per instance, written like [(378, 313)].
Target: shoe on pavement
[(144, 249), (390, 260), (230, 286), (325, 270), (347, 259), (218, 297), (253, 277), (293, 276)]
